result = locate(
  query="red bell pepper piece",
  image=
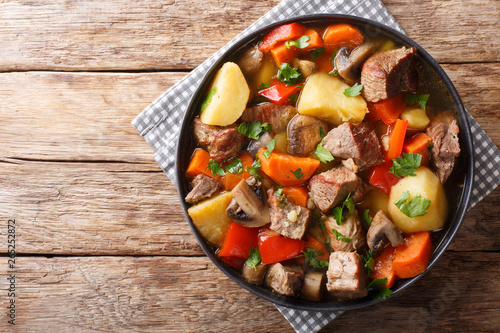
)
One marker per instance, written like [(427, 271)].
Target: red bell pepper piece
[(279, 92), (381, 178), (282, 33), (396, 139), (390, 109), (238, 242), (275, 248)]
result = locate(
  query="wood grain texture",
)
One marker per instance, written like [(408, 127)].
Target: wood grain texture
[(142, 35), (182, 294)]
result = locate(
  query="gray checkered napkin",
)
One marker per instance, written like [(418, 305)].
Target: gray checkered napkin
[(160, 122)]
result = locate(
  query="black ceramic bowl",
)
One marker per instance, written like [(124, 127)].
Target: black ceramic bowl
[(459, 183)]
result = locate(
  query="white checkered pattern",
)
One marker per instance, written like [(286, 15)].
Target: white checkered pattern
[(160, 122)]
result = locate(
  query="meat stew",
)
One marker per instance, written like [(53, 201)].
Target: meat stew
[(315, 154)]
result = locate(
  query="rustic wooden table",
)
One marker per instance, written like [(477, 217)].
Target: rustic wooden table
[(102, 244)]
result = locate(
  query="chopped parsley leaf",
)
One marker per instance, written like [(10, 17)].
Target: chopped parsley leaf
[(412, 208), (216, 168), (289, 75), (421, 100), (235, 167), (254, 129), (405, 165), (316, 53), (311, 258), (379, 286), (321, 133), (298, 173), (355, 90), (264, 85), (270, 148), (341, 237), (252, 170), (208, 99), (254, 258), (369, 260), (323, 154), (300, 43), (338, 212), (366, 218)]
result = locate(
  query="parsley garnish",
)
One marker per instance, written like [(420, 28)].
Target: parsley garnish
[(380, 288), (366, 218), (299, 43), (252, 170), (254, 258), (321, 133), (338, 212), (405, 165), (413, 99), (369, 260), (328, 240), (293, 97), (355, 90), (235, 167), (323, 154), (281, 197), (254, 129), (316, 53), (341, 237), (208, 99), (298, 173), (412, 208), (311, 258), (264, 86), (322, 226), (216, 168), (270, 148), (289, 75)]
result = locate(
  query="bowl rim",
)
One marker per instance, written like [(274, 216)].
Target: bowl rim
[(454, 225)]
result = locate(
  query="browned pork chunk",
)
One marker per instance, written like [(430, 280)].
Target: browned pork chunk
[(277, 115), (222, 143), (330, 188), (356, 141), (348, 236), (203, 188), (304, 134), (445, 147), (347, 278), (288, 219), (381, 73), (285, 279)]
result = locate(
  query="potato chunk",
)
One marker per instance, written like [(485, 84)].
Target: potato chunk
[(417, 118), (426, 184), (229, 99), (210, 217), (323, 97)]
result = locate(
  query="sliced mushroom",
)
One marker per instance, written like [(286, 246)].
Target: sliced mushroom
[(347, 65), (304, 134), (255, 145), (381, 230), (249, 205), (251, 60), (312, 286), (254, 275), (307, 68)]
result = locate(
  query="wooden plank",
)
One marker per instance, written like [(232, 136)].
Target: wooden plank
[(124, 209), (452, 31), (172, 294), (144, 35), (77, 116), (94, 209), (86, 116)]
